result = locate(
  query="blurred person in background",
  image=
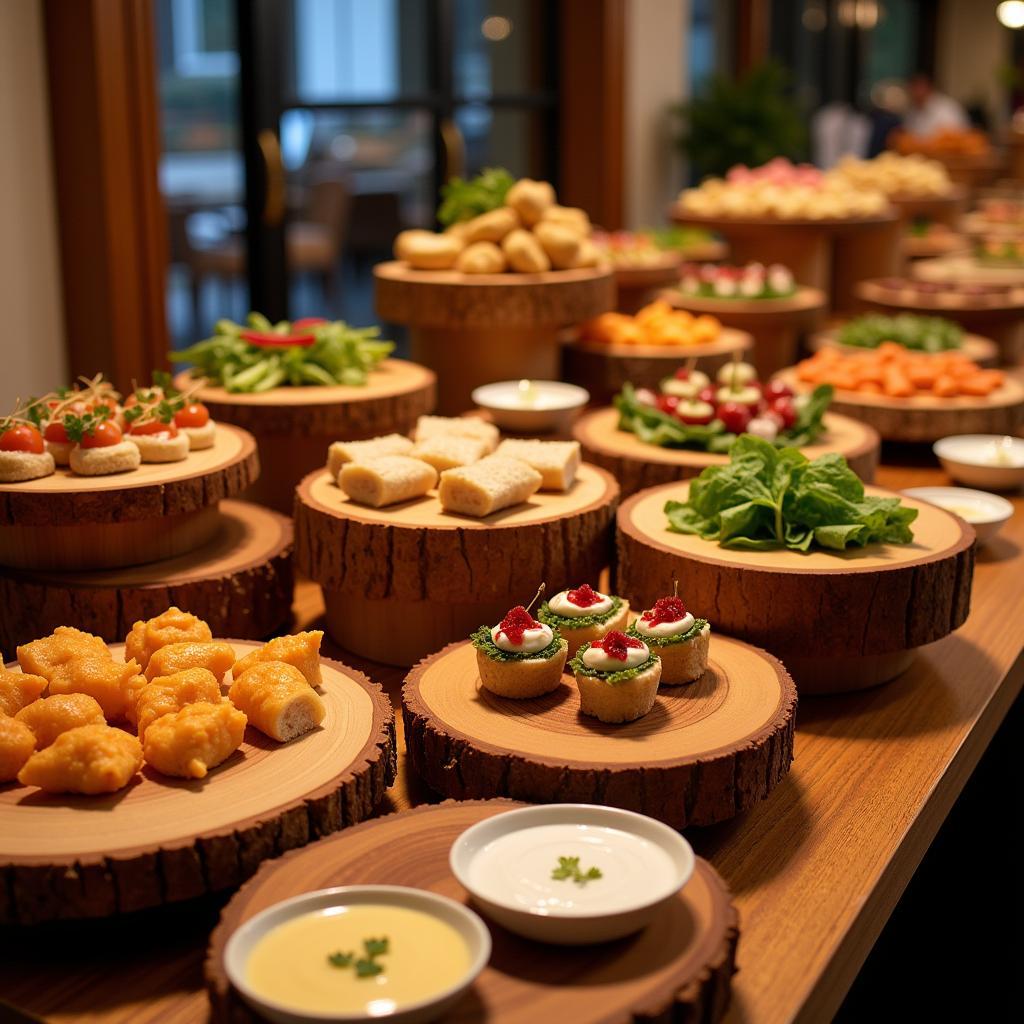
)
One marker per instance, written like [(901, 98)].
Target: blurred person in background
[(931, 111)]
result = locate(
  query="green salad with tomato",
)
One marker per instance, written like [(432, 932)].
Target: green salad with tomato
[(258, 355)]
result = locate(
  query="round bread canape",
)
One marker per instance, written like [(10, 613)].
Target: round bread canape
[(703, 753), (69, 522), (512, 663), (161, 447), (838, 620), (294, 426), (681, 641), (591, 627), (680, 966), (472, 329), (609, 697), (983, 351), (16, 467), (161, 840)]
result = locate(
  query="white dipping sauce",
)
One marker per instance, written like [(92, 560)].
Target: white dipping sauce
[(516, 869)]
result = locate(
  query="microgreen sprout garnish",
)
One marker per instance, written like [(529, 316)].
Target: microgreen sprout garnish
[(366, 966), (78, 426), (569, 870)]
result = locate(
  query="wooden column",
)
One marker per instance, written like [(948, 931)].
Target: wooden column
[(113, 236)]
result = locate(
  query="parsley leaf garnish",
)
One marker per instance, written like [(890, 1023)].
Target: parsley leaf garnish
[(569, 869), (366, 966)]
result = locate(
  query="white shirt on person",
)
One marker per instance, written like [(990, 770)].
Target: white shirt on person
[(938, 113)]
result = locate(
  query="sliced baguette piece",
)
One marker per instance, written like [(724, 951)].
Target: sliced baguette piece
[(619, 702), (115, 458), (386, 480), (487, 486), (530, 677), (277, 700), (154, 448), (557, 461), (18, 466), (460, 426), (359, 451), (683, 663), (447, 451)]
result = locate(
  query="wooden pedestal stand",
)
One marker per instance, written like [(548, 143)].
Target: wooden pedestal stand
[(706, 751), (637, 285), (829, 254), (161, 840), (926, 247), (984, 351), (472, 329), (677, 968), (402, 581), (839, 621), (967, 270), (636, 464), (776, 325), (294, 426), (927, 418), (602, 369), (971, 170), (998, 316), (945, 209), (158, 511), (240, 582)]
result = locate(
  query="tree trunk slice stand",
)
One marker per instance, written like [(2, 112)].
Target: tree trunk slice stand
[(161, 840), (294, 426), (472, 329), (926, 417), (678, 968), (705, 752), (966, 270), (776, 325), (240, 582), (638, 284), (401, 582), (827, 254), (999, 316), (862, 612), (984, 351), (158, 511), (946, 209), (636, 464), (924, 247), (602, 368)]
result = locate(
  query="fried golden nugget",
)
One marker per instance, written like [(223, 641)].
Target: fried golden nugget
[(17, 743), (90, 759), (277, 700), (170, 627), (45, 656), (189, 742), (114, 684), (18, 690), (217, 656), (49, 717), (300, 649), (167, 694)]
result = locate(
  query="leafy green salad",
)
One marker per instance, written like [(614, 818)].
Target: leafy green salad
[(464, 200), (766, 498), (922, 333)]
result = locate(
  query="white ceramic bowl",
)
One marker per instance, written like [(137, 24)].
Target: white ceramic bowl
[(544, 406), (985, 512), (970, 459), (508, 871), (462, 919)]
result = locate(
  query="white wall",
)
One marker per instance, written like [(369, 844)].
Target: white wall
[(32, 331), (655, 78)]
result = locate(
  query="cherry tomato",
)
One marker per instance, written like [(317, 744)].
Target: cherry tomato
[(668, 403), (154, 427), (195, 414), (776, 389), (22, 437), (103, 435), (735, 417), (306, 322), (271, 339), (55, 432), (706, 395), (698, 414), (784, 408), (682, 373)]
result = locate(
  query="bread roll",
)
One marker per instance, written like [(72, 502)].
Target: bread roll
[(481, 258), (530, 199), (386, 480), (492, 226), (561, 244), (405, 239), (487, 486), (341, 452), (446, 451), (460, 426), (277, 700), (524, 253), (428, 251), (571, 217), (556, 461)]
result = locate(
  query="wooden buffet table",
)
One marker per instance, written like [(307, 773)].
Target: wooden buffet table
[(815, 869)]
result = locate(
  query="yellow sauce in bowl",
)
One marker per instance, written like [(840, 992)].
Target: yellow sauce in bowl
[(291, 964)]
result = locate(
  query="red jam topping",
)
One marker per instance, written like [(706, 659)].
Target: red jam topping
[(516, 623), (584, 597), (666, 609), (616, 644)]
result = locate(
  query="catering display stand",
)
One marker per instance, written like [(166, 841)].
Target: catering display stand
[(471, 329), (926, 247), (678, 968), (944, 209), (636, 464), (983, 351), (838, 620), (294, 425), (776, 325), (636, 285), (603, 368), (162, 840), (402, 581)]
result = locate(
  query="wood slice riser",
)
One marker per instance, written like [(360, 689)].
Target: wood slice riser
[(519, 968)]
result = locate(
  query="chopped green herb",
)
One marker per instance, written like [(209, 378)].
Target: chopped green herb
[(569, 869), (340, 959), (464, 200), (366, 966)]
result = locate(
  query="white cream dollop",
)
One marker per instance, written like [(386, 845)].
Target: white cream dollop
[(534, 640), (595, 659), (662, 629), (561, 605)]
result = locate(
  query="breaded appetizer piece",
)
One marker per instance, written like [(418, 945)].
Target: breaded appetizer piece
[(277, 700), (487, 486), (189, 742), (44, 656), (167, 695), (90, 759), (386, 480), (113, 684), (299, 649), (17, 744), (170, 627), (558, 462), (342, 452), (49, 717), (18, 690), (218, 656)]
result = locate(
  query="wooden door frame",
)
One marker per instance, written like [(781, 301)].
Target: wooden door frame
[(104, 119)]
